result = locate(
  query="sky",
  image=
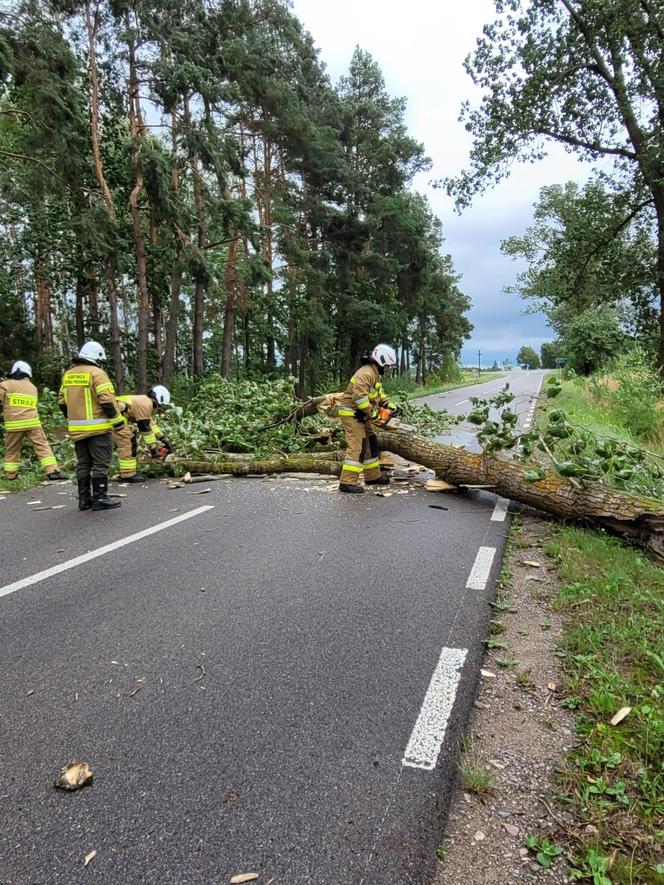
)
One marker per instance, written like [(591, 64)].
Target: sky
[(420, 46)]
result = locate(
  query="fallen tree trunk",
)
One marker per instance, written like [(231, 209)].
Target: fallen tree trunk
[(621, 513), (271, 464)]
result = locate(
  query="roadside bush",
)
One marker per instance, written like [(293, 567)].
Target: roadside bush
[(635, 394)]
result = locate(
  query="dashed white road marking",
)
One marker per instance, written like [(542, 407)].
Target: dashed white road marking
[(428, 734), (100, 551), (479, 573), (500, 510), (463, 402)]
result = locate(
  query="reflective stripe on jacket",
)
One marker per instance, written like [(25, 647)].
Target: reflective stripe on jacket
[(139, 408), (19, 404), (84, 389), (364, 392)]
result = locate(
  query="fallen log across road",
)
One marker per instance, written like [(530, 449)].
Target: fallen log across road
[(630, 516)]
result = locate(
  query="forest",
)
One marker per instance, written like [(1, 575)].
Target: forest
[(184, 183)]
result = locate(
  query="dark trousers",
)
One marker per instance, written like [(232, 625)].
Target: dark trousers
[(93, 456)]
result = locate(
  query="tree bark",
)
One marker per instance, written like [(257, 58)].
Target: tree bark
[(200, 275), (629, 516), (136, 128), (168, 364), (116, 347), (230, 280), (620, 513)]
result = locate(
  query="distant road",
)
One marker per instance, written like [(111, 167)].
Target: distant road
[(524, 385)]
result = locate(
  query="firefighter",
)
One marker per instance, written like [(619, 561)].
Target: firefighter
[(139, 410), (357, 406), (18, 396), (87, 400)]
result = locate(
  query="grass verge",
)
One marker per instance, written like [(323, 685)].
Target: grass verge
[(613, 650), (25, 480), (406, 389)]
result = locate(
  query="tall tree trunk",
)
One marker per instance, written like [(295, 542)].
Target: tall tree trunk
[(78, 312), (230, 285), (155, 278), (116, 348), (659, 208), (170, 346), (136, 129), (43, 314), (168, 364), (200, 275)]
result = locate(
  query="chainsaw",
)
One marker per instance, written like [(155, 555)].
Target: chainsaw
[(386, 420)]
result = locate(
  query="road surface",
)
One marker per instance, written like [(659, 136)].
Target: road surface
[(269, 677)]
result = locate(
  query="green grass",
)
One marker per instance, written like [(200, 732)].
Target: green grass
[(468, 381), (613, 652), (587, 412), (26, 479)]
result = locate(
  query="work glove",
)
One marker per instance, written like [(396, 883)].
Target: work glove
[(154, 452), (361, 415), (166, 444)]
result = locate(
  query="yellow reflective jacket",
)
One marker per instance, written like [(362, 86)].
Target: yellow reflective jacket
[(19, 404), (139, 409), (85, 388), (364, 392)]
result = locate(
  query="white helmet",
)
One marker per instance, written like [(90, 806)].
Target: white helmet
[(160, 394), (384, 355), (92, 351), (20, 366)]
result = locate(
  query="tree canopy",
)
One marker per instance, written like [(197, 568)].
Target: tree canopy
[(184, 183), (587, 74)]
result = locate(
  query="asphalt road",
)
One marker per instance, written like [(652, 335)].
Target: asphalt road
[(275, 684), (524, 385)]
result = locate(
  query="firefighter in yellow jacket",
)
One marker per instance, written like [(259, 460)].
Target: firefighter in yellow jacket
[(358, 404), (139, 410), (87, 399), (18, 397)]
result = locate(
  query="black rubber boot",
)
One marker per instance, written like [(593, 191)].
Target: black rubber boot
[(383, 480), (137, 477), (84, 494), (56, 476), (352, 490), (100, 500)]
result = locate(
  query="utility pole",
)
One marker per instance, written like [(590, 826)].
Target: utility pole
[(479, 363)]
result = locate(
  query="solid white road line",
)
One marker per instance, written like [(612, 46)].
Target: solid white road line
[(500, 510), (100, 551), (429, 731), (479, 573)]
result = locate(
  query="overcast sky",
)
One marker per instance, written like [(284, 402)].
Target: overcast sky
[(420, 46)]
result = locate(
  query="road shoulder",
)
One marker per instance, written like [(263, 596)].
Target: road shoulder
[(518, 735)]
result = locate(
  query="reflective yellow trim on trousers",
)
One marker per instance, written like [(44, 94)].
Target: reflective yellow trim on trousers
[(127, 465), (11, 466), (352, 467), (369, 465), (150, 438), (48, 461), (26, 424)]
